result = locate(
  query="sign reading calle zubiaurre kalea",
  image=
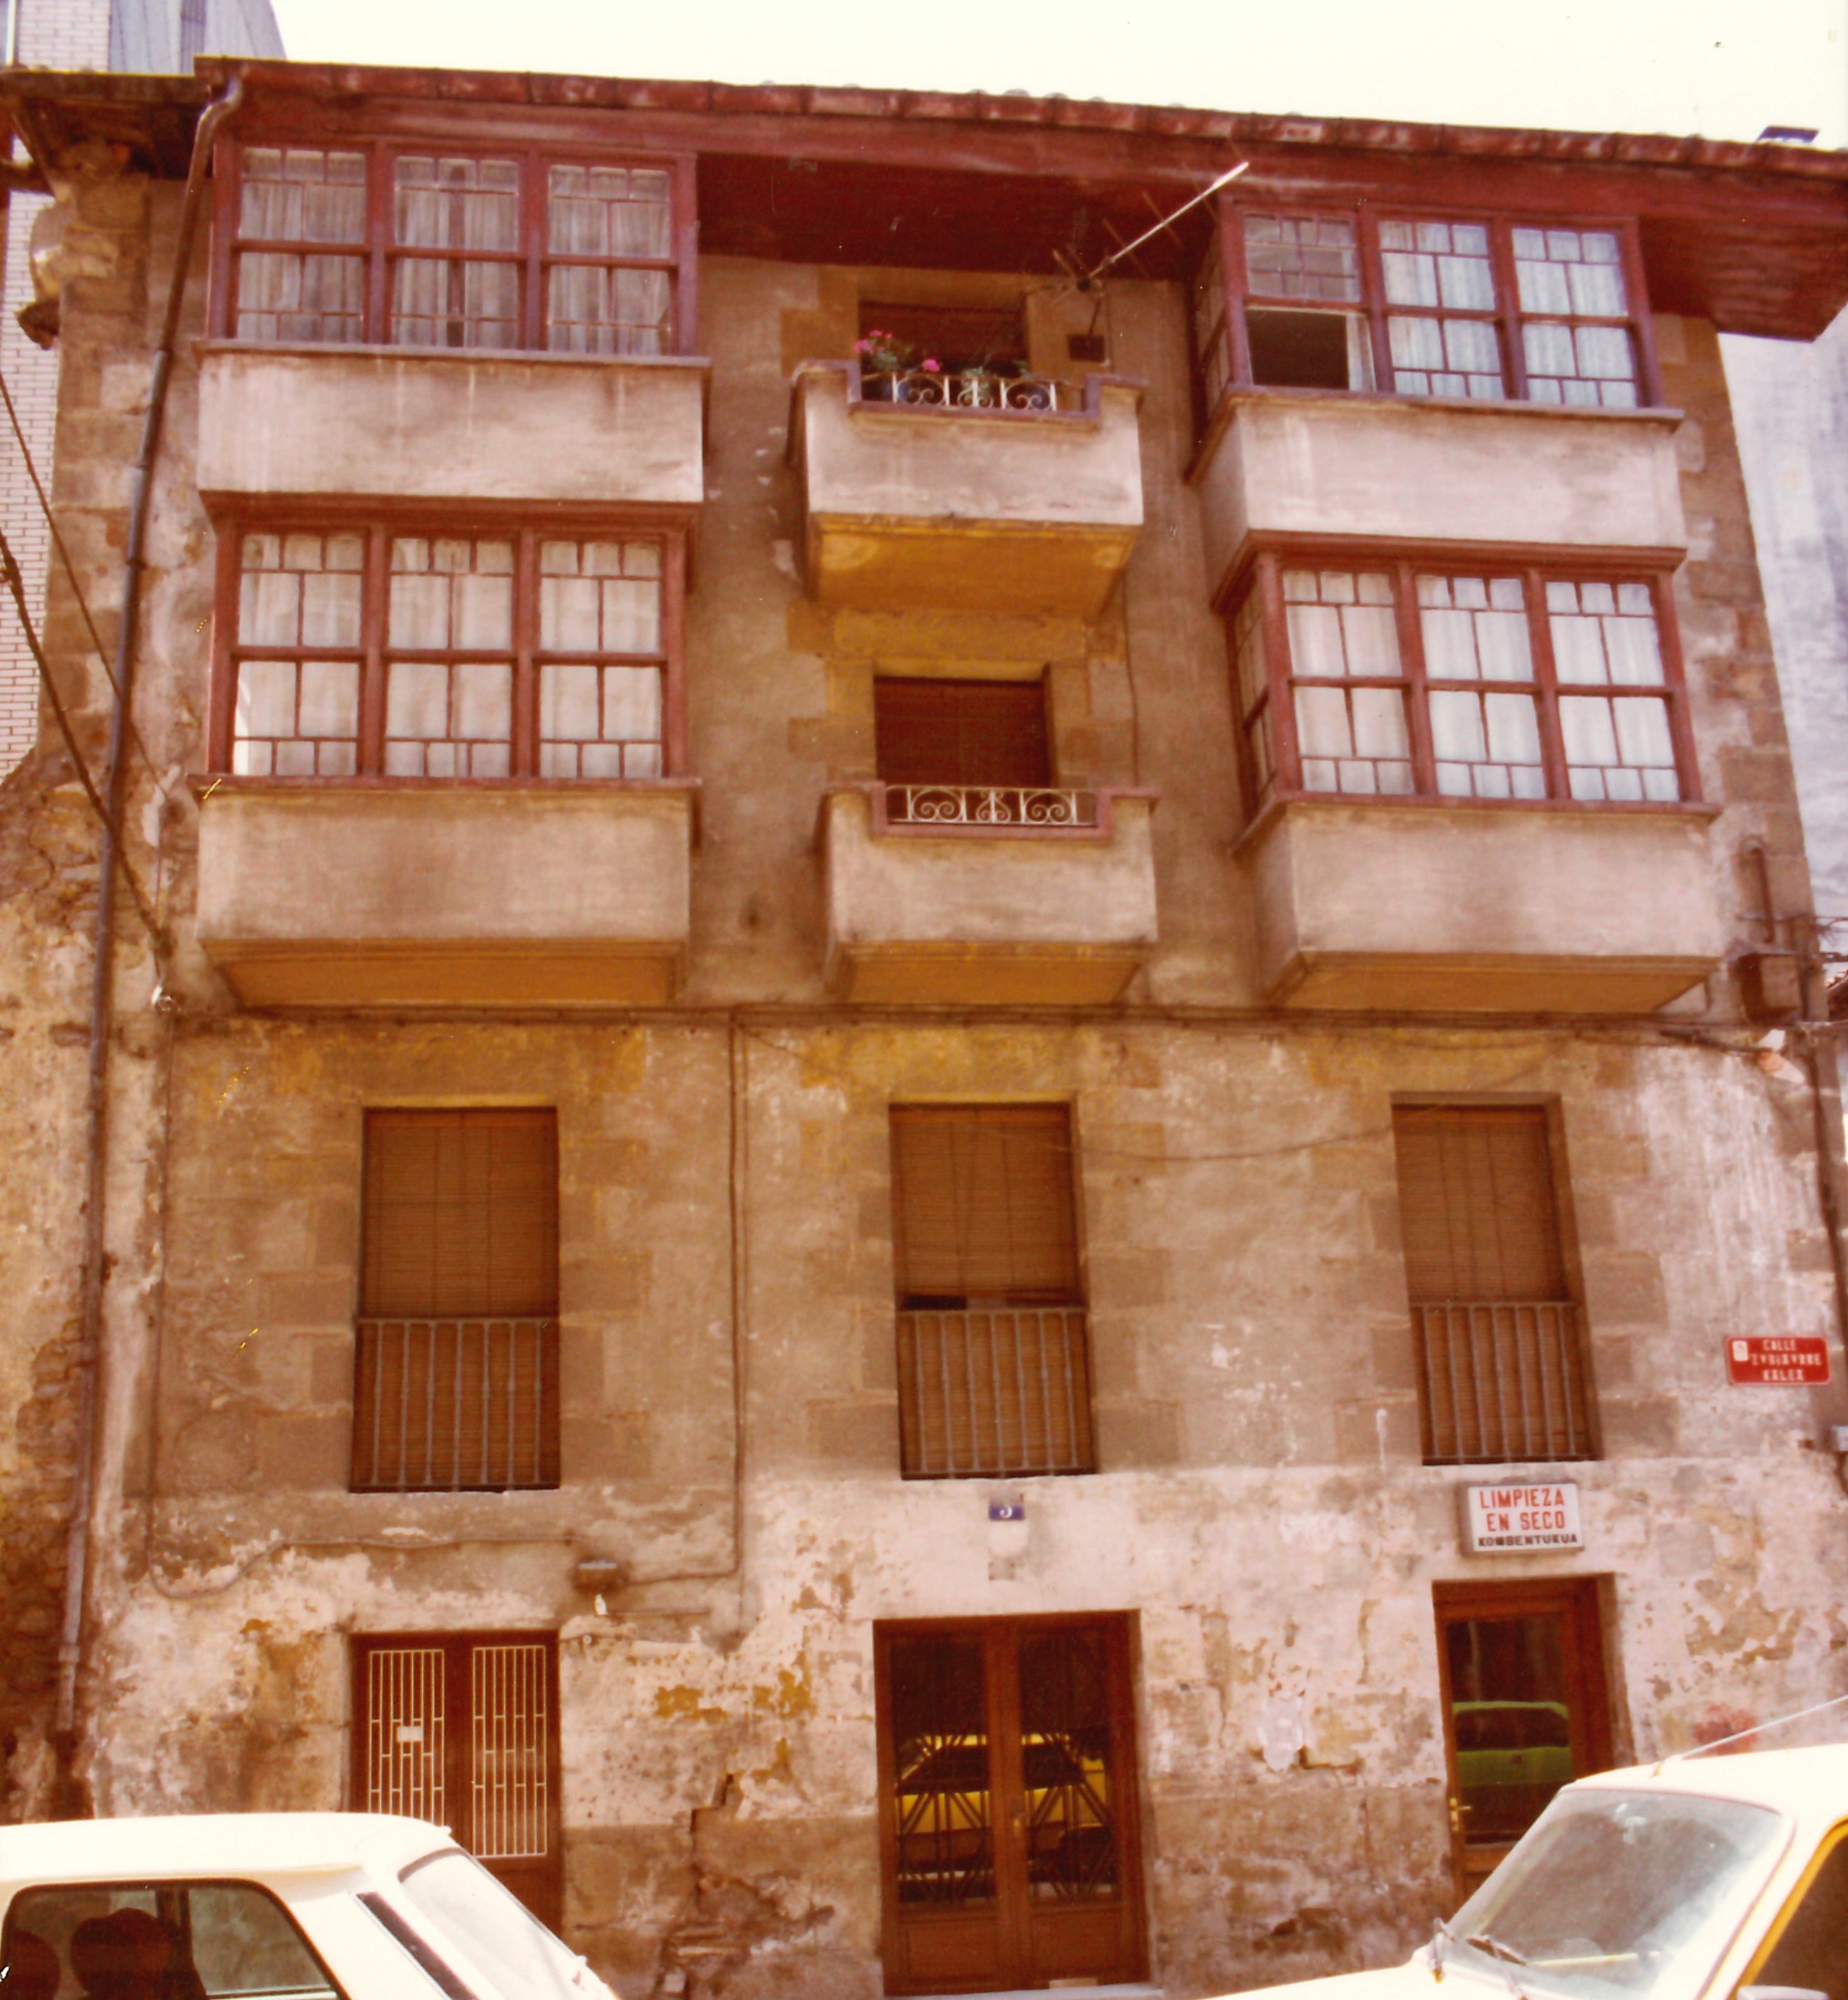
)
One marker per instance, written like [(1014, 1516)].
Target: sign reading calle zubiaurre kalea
[(1774, 1360), (1499, 1520)]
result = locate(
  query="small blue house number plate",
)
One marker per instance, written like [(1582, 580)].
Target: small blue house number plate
[(1007, 1510)]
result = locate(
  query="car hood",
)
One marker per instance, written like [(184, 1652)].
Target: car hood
[(1413, 1980)]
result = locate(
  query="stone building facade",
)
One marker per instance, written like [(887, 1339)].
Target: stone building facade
[(857, 1098)]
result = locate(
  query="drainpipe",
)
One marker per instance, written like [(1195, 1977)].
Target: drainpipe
[(83, 1482)]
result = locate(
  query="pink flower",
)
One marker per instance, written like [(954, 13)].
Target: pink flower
[(933, 367)]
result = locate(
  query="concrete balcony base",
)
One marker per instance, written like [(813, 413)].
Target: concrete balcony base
[(1013, 918), (1417, 906), (1010, 512), (332, 894)]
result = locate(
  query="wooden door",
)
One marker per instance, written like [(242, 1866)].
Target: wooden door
[(1525, 1708), (461, 1729), (1008, 1822)]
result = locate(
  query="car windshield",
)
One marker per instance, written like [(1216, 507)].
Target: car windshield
[(1619, 1893), (461, 1902)]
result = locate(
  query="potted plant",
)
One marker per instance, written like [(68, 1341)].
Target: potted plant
[(885, 361)]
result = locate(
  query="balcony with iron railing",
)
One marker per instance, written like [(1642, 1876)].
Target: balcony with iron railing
[(1000, 1391), (966, 489), (955, 894), (1502, 1381), (455, 1405)]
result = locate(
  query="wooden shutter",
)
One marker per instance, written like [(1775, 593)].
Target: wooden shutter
[(461, 1215), (1476, 1204), (955, 732), (456, 1351), (982, 1203)]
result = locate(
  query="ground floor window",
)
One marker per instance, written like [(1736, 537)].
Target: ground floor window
[(461, 1729), (1008, 1822), (1525, 1708)]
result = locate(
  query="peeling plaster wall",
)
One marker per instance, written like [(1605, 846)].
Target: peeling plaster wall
[(1262, 1510)]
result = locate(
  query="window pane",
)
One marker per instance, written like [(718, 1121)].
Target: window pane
[(302, 196), (608, 212), (316, 297), (1341, 624), (461, 204), (1302, 257), (291, 719), (1475, 628), (450, 592)]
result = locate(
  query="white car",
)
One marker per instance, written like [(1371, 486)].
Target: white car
[(1703, 1877), (267, 1906)]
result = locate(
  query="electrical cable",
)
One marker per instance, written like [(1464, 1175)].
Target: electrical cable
[(16, 584)]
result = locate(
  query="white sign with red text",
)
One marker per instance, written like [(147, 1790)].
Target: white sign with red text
[(1500, 1520)]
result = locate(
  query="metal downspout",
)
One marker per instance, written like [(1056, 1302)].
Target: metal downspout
[(72, 1803)]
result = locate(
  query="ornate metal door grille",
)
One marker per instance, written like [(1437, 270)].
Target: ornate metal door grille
[(404, 1721), (460, 1728), (509, 1766)]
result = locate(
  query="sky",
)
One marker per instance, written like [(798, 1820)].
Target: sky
[(1726, 68)]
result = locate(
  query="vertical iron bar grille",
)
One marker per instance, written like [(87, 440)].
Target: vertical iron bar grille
[(1501, 1381), (405, 1732), (512, 1811), (451, 1405), (1007, 1390)]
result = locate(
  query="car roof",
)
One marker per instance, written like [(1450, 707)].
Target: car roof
[(1811, 1784), (240, 1845)]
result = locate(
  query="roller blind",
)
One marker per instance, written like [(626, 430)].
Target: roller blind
[(460, 1214), (1476, 1204), (952, 732), (982, 1204)]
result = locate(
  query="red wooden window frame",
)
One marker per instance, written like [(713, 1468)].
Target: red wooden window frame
[(380, 251), (1224, 321), (380, 527), (1260, 580)]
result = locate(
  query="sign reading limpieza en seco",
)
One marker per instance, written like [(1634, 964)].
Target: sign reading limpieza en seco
[(1499, 1520)]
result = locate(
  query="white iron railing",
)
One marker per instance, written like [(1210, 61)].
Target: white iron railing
[(988, 805), (967, 389)]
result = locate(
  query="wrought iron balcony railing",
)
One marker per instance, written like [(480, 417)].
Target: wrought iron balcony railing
[(1502, 1380), (968, 389), (988, 805), (452, 1405), (1001, 1391)]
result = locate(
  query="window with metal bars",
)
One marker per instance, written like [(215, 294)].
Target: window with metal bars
[(456, 1352), (377, 650), (1453, 305), (1377, 678), (994, 1360), (423, 245), (1495, 1328)]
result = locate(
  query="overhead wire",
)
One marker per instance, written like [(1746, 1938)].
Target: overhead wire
[(15, 584), (69, 569)]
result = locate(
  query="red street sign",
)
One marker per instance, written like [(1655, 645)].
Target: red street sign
[(1774, 1359)]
